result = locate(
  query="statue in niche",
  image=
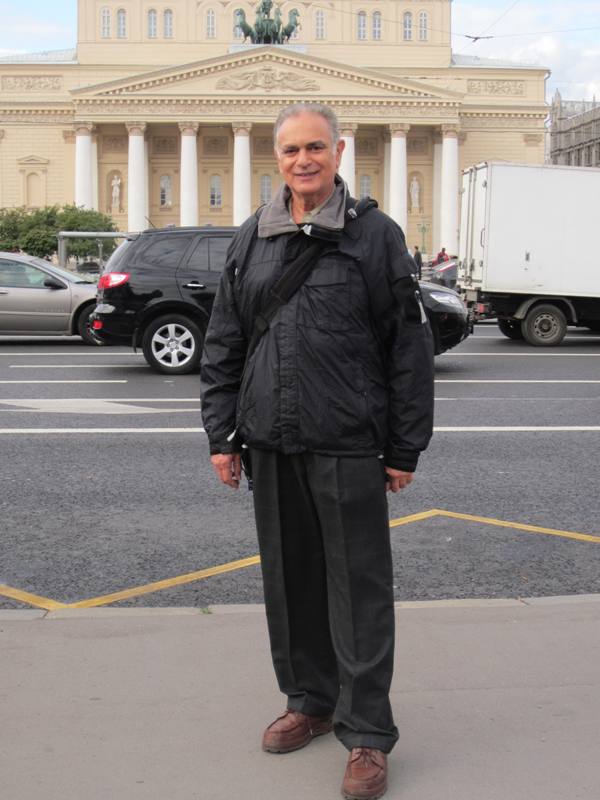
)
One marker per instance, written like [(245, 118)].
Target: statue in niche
[(415, 194), (115, 200)]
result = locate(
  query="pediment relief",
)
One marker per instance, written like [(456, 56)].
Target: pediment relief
[(32, 161), (265, 70)]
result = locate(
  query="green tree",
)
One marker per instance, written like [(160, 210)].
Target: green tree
[(12, 223), (72, 218), (39, 241)]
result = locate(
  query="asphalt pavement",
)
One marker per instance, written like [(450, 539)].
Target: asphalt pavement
[(133, 650)]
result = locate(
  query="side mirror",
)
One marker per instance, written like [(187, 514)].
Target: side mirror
[(52, 283)]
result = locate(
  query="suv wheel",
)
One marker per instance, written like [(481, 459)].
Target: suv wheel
[(84, 329), (172, 344)]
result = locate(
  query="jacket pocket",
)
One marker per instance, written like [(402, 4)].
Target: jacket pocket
[(324, 298)]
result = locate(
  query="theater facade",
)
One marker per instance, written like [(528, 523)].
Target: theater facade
[(163, 112)]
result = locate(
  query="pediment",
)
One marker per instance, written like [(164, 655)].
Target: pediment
[(33, 161), (265, 72)]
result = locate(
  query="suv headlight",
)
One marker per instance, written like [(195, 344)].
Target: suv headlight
[(448, 299)]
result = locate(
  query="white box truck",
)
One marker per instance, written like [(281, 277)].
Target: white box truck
[(528, 251)]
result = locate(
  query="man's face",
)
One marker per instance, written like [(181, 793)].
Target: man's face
[(306, 157)]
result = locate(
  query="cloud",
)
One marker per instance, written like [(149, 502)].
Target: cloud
[(572, 57)]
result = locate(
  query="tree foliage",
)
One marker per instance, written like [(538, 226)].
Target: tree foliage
[(35, 232)]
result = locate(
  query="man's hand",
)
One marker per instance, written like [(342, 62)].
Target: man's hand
[(397, 479), (228, 467)]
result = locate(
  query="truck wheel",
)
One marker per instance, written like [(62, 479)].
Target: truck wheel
[(84, 329), (172, 344), (510, 328), (544, 326)]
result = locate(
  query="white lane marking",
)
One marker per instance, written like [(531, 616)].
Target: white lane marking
[(87, 406), (28, 382), (473, 429), (516, 428), (452, 380), (106, 399), (77, 366), (100, 430), (85, 354), (539, 355)]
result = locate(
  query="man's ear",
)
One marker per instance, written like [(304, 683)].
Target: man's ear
[(339, 149)]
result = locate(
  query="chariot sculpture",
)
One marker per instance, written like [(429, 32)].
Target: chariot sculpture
[(267, 30)]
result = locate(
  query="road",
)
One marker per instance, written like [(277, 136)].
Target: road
[(106, 485)]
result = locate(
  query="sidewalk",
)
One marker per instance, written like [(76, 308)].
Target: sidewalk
[(495, 700)]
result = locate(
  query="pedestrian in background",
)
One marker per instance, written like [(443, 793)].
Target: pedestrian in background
[(418, 258), (332, 394)]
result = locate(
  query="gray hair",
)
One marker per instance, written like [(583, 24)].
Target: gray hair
[(308, 108)]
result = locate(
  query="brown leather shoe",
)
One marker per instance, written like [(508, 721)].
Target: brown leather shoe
[(293, 730), (366, 774)]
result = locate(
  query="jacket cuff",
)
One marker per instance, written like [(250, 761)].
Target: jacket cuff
[(224, 447), (405, 460)]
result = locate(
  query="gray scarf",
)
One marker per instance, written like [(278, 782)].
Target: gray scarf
[(275, 217)]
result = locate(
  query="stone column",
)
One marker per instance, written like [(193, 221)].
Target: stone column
[(84, 182), (95, 199), (136, 175), (147, 178), (436, 242), (348, 164), (398, 175), (189, 173), (449, 193), (2, 201), (242, 183), (387, 147)]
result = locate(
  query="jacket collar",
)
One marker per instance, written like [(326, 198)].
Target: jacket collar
[(275, 217)]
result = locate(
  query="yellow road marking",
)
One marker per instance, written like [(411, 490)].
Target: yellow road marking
[(30, 599), (190, 577), (582, 537)]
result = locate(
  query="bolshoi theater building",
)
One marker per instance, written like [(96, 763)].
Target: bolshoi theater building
[(163, 112)]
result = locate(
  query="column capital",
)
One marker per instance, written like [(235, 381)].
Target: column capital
[(189, 128), (136, 128), (83, 128), (241, 128), (348, 129), (398, 128), (450, 130), (68, 136)]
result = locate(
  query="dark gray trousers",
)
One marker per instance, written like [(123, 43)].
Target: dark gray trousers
[(324, 542)]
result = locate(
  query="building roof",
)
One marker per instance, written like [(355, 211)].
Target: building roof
[(459, 60), (45, 57)]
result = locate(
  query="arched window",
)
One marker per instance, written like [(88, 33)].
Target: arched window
[(152, 24), (168, 24), (166, 191), (364, 186), (266, 188), (319, 24), (407, 26), (211, 24), (121, 24), (361, 29), (376, 25), (105, 23), (216, 192), (423, 26), (237, 31)]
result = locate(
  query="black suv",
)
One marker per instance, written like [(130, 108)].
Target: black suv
[(157, 291), (158, 287)]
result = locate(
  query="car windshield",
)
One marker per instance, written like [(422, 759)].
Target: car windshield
[(61, 273), (114, 262)]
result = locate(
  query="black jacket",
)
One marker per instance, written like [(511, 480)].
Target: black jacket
[(346, 367)]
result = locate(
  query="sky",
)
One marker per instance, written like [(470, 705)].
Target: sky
[(565, 37)]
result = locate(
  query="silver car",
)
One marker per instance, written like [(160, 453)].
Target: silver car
[(39, 299)]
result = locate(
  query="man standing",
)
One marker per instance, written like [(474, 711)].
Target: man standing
[(335, 405), (418, 258)]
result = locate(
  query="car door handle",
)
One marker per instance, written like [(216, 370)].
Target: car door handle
[(3, 291), (194, 285)]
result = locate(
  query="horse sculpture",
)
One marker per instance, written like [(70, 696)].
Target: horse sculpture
[(288, 30), (246, 29)]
